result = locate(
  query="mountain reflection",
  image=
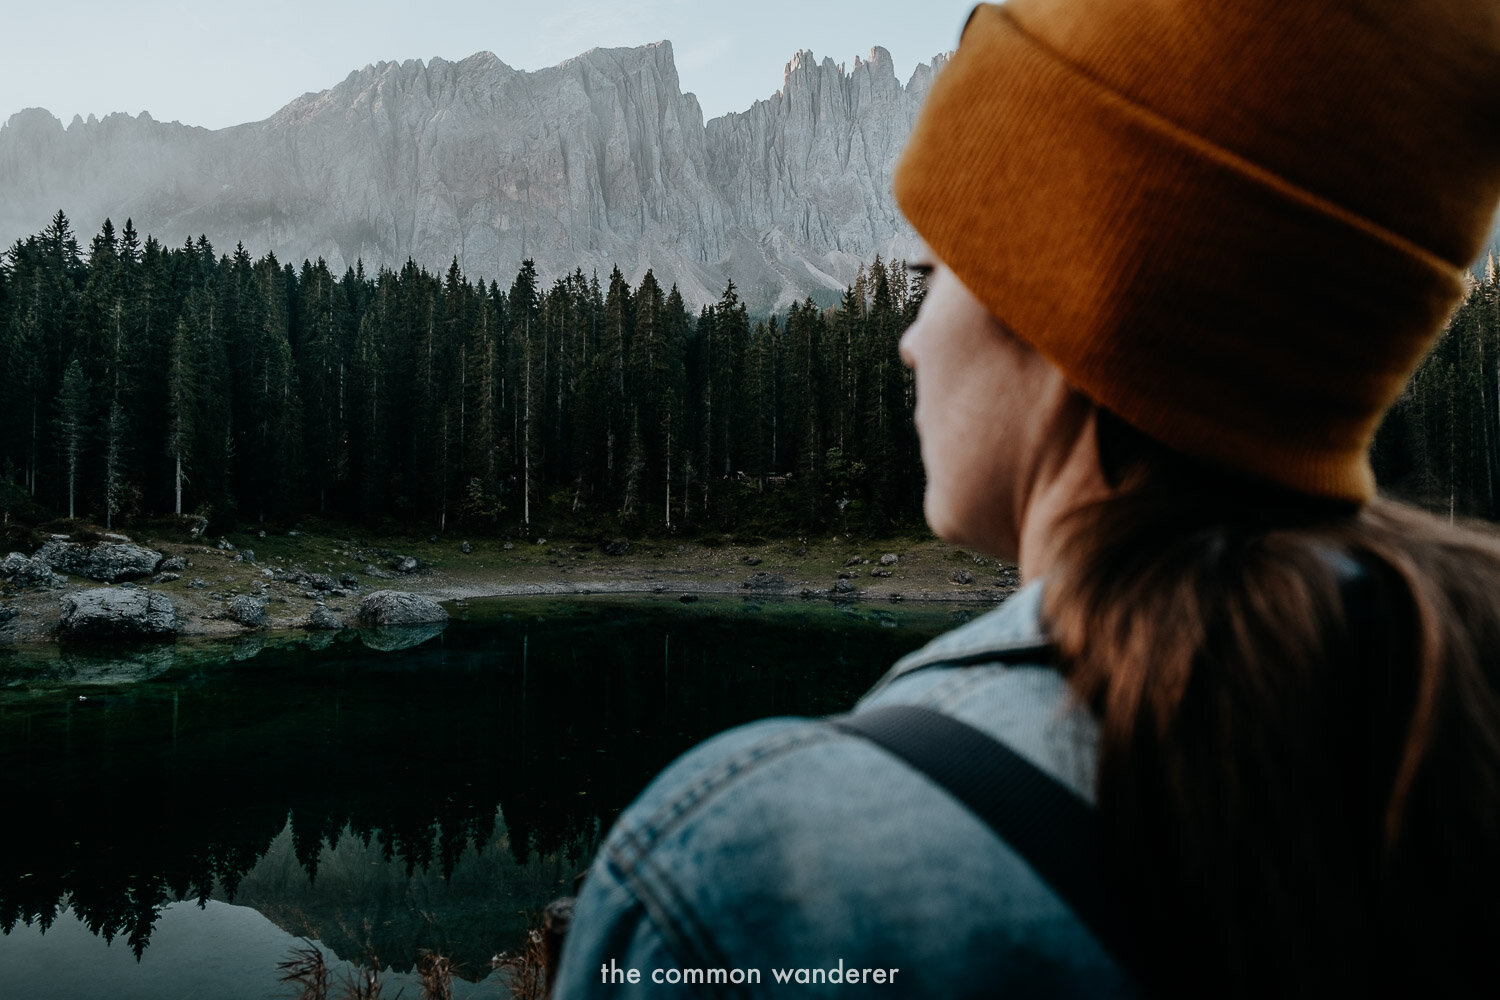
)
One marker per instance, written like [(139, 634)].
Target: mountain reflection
[(385, 802)]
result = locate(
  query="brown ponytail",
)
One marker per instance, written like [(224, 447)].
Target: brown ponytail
[(1300, 703)]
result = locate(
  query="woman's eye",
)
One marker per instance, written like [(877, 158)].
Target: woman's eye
[(919, 269)]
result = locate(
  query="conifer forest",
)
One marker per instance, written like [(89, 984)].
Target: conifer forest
[(141, 381), (1440, 443)]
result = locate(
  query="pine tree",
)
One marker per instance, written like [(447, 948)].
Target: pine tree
[(621, 432), (25, 386), (807, 389), (648, 397), (151, 328), (731, 333), (524, 309), (372, 413), (276, 399), (109, 313), (181, 404), (72, 423), (130, 244), (103, 303), (240, 311), (116, 431), (676, 325), (883, 402), (481, 373), (583, 453), (321, 366), (59, 243)]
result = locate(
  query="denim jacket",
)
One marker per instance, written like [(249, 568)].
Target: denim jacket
[(776, 852)]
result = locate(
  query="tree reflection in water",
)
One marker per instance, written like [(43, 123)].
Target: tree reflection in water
[(385, 802)]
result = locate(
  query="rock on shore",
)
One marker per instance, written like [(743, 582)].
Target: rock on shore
[(399, 607), (107, 562), (27, 572), (321, 619), (117, 613), (249, 611)]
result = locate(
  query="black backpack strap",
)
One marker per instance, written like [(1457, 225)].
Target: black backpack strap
[(1047, 824)]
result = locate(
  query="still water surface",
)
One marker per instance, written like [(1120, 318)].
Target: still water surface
[(178, 817)]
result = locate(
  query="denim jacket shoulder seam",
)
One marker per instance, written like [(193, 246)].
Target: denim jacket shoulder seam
[(641, 837), (1012, 634), (1025, 653), (946, 696)]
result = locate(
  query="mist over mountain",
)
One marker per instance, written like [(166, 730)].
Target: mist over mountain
[(601, 160)]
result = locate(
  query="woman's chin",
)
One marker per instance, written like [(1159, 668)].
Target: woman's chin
[(971, 532)]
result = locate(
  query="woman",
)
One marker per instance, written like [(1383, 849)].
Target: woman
[(1183, 256)]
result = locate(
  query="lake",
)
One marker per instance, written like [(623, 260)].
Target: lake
[(180, 818)]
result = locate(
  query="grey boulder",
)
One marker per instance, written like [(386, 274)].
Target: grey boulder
[(24, 572), (310, 581), (117, 613), (249, 611), (321, 619), (108, 562), (398, 607)]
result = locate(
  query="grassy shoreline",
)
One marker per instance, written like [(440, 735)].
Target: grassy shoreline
[(453, 569)]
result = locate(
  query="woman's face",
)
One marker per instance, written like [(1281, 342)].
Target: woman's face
[(985, 400)]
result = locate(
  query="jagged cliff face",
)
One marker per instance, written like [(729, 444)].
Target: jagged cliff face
[(806, 175), (599, 161)]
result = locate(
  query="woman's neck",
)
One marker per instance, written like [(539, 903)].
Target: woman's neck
[(1067, 477)]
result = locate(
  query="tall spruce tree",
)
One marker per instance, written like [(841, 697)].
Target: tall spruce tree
[(275, 399), (72, 424), (182, 402), (26, 388), (525, 309), (321, 371)]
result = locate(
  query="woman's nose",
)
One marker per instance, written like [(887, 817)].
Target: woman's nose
[(904, 348)]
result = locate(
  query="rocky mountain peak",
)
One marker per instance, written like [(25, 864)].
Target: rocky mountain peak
[(598, 161), (34, 122)]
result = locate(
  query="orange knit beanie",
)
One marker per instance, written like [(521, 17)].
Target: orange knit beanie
[(1238, 224)]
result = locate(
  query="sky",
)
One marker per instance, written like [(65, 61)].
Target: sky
[(214, 63)]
